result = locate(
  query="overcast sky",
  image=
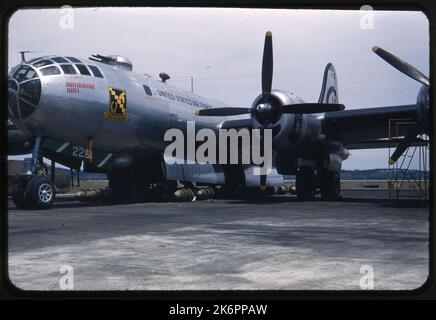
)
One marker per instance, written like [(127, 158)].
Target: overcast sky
[(222, 49)]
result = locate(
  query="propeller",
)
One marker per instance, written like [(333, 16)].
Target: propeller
[(267, 111), (306, 108), (267, 108), (423, 102), (227, 111), (401, 65), (262, 150), (267, 65), (404, 144)]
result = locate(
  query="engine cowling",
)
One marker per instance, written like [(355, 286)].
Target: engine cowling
[(423, 110), (288, 130)]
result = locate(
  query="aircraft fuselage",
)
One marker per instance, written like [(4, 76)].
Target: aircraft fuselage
[(122, 111)]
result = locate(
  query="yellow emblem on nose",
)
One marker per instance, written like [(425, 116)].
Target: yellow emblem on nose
[(117, 106)]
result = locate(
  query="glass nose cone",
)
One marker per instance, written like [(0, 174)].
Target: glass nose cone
[(24, 92)]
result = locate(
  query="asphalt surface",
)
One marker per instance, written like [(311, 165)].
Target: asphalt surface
[(277, 243)]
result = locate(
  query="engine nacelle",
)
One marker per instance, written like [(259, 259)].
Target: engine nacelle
[(334, 160), (289, 130), (423, 109)]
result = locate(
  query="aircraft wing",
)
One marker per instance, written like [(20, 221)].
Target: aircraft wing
[(368, 128), (382, 143)]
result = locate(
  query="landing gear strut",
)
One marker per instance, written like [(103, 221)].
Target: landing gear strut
[(305, 183), (34, 190), (329, 184)]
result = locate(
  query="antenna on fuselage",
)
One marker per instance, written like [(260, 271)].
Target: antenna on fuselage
[(100, 58), (164, 77), (23, 57), (114, 60)]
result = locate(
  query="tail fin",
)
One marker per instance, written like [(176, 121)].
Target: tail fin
[(329, 89)]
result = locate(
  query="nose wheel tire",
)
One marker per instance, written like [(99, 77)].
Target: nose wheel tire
[(39, 193), (20, 200)]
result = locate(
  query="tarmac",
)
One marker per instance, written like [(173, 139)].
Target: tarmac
[(363, 242)]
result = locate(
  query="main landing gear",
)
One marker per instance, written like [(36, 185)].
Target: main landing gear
[(329, 185), (307, 182), (34, 190)]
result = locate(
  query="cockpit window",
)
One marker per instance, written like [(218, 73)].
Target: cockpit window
[(26, 81), (42, 63), (147, 90), (24, 73), (20, 74), (83, 69), (59, 60), (31, 74), (30, 91), (96, 71), (68, 69), (12, 85), (72, 59), (26, 109), (49, 71), (13, 106)]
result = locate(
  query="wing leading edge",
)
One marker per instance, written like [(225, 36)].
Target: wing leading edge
[(367, 128)]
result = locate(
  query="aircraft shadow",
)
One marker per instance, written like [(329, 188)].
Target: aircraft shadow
[(400, 203)]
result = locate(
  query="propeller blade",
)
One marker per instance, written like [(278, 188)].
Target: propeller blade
[(401, 65), (404, 144), (263, 182), (222, 112), (306, 108), (267, 65), (262, 150)]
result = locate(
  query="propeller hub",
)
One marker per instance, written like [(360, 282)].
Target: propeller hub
[(263, 108), (265, 113)]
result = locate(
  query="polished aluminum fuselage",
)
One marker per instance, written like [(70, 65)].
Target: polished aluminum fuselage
[(77, 117)]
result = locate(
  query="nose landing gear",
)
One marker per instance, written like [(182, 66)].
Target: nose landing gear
[(34, 190)]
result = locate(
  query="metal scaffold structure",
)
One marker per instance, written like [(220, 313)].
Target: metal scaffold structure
[(409, 175)]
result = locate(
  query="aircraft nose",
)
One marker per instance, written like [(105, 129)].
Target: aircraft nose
[(24, 92)]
